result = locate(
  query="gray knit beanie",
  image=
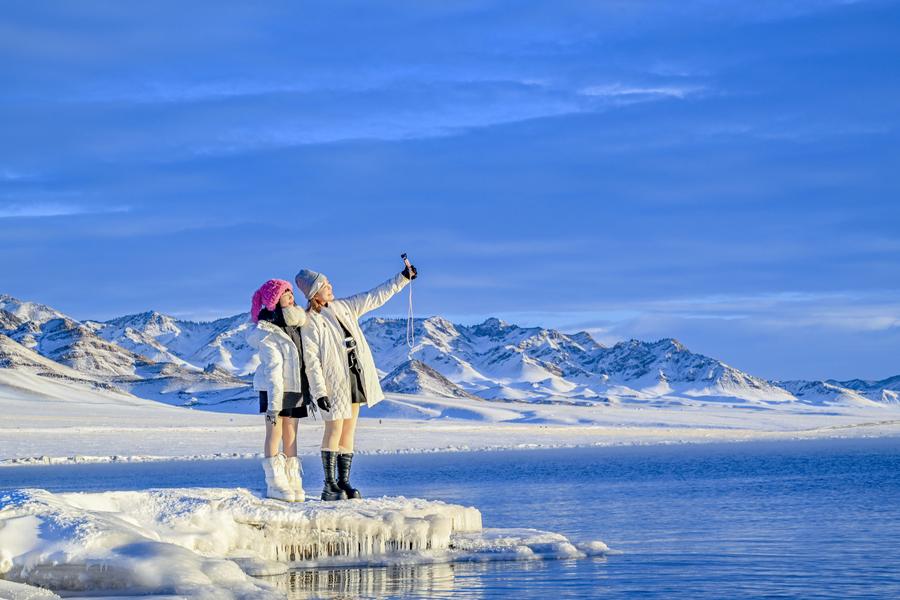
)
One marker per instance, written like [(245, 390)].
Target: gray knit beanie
[(309, 282)]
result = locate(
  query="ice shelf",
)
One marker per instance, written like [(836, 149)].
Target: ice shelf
[(188, 541)]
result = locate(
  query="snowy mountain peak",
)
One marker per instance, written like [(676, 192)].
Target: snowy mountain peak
[(415, 377), (28, 311), (672, 344), (150, 323), (586, 340), (891, 383), (824, 393), (495, 323), (666, 366), (493, 327), (438, 324), (664, 344)]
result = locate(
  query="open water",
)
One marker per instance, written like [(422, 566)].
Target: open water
[(815, 519)]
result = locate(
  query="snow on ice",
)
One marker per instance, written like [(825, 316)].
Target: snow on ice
[(200, 542)]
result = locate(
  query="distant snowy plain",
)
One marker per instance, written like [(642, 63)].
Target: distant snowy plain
[(49, 421)]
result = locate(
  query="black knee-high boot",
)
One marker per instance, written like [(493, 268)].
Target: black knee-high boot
[(331, 491), (344, 461)]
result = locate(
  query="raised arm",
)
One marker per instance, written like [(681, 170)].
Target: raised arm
[(362, 303)]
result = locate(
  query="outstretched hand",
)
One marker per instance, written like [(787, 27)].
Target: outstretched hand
[(410, 272)]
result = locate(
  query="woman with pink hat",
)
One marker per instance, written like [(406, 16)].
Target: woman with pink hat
[(281, 381)]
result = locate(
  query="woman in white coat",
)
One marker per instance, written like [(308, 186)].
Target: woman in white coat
[(279, 380), (340, 368)]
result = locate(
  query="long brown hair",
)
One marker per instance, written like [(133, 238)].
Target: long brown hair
[(315, 304)]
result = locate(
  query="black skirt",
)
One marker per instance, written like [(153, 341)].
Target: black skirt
[(291, 405), (357, 391)]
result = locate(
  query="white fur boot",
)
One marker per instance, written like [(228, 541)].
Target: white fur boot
[(294, 470), (277, 484)]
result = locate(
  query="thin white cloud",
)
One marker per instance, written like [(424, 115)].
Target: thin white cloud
[(342, 81), (466, 246), (173, 92), (390, 124), (52, 209), (7, 174), (471, 282), (621, 91), (780, 311)]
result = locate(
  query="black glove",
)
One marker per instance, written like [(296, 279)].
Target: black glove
[(324, 403), (410, 272)]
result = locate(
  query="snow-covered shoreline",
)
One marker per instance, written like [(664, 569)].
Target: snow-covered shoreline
[(479, 440), (45, 421)]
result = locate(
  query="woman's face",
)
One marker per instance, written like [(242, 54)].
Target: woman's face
[(287, 299), (325, 293)]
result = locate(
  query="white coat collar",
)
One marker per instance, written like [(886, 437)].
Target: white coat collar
[(266, 328)]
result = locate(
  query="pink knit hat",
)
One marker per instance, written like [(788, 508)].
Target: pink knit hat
[(267, 295)]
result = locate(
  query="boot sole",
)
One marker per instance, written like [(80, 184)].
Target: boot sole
[(335, 498)]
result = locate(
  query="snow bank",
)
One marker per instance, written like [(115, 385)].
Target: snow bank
[(20, 591), (80, 459), (194, 540)]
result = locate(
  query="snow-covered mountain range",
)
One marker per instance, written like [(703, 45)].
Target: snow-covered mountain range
[(496, 360), (165, 339), (126, 357), (209, 364)]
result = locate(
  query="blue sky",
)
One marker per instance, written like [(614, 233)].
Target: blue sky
[(721, 172)]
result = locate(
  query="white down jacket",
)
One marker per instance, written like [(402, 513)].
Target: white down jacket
[(325, 356), (279, 363)]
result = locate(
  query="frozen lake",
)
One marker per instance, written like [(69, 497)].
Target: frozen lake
[(788, 519)]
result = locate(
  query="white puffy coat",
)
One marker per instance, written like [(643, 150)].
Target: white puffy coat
[(325, 356), (279, 363)]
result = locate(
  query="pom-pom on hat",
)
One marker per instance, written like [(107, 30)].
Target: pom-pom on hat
[(309, 282), (267, 295)]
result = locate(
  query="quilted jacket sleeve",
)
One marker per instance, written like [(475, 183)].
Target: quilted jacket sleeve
[(314, 372), (272, 364), (362, 303)]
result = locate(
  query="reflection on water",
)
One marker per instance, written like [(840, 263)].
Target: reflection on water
[(559, 579), (431, 580)]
